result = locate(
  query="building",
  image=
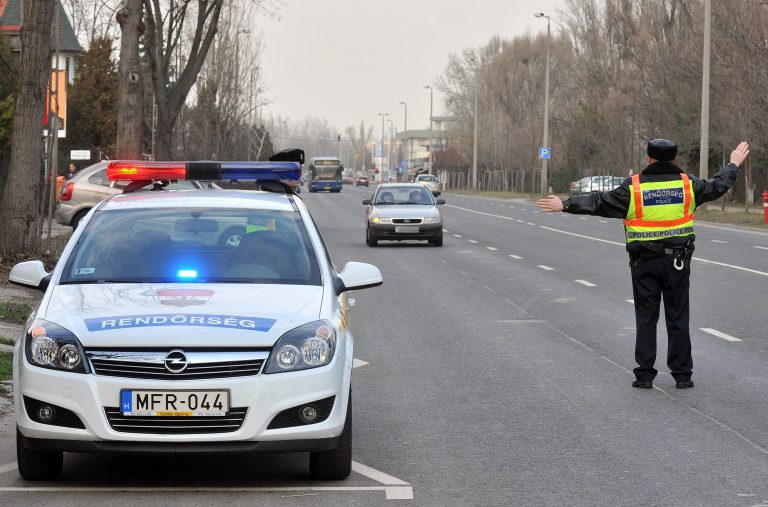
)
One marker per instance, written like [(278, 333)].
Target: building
[(418, 144)]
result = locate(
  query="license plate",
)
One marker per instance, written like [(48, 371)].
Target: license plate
[(174, 403), (327, 188), (407, 229)]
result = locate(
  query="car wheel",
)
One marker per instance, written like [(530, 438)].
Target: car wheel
[(370, 240), (78, 218), (438, 241), (336, 464), (37, 465), (232, 236)]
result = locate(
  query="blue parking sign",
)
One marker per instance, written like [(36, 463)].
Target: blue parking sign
[(545, 152)]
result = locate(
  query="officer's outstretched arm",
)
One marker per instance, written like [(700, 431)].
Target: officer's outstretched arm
[(740, 153), (550, 203)]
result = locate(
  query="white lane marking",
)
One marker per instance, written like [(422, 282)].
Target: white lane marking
[(582, 218), (520, 221), (584, 282), (515, 256), (630, 301), (457, 235), (530, 223), (763, 273), (391, 492), (445, 230), (8, 467), (376, 475), (718, 241), (715, 332), (523, 209), (761, 247), (545, 268), (489, 289), (472, 241), (356, 363), (603, 221), (511, 207), (492, 249)]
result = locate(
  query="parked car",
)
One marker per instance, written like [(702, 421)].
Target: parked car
[(403, 211), (595, 184), (432, 183), (90, 186), (362, 181)]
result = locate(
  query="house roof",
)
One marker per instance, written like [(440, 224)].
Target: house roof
[(419, 134), (10, 21)]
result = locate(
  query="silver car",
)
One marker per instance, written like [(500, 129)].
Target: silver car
[(431, 182), (90, 186), (403, 211)]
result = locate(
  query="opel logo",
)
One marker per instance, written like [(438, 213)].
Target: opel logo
[(407, 220), (176, 361)]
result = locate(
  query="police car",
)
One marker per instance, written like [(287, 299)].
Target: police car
[(154, 336)]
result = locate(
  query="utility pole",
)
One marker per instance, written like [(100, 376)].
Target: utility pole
[(545, 142), (430, 126), (704, 151), (405, 133), (391, 127), (474, 139), (382, 142)]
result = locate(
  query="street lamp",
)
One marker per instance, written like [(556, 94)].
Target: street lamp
[(474, 138), (544, 160), (430, 126), (405, 132), (704, 147), (389, 157), (382, 142)]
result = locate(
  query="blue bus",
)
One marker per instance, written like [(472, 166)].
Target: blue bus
[(325, 174)]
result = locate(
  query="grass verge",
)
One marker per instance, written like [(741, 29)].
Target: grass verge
[(6, 365), (15, 313)]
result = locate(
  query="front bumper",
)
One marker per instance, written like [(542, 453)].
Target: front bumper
[(388, 232), (265, 396)]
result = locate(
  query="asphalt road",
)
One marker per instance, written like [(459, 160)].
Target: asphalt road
[(496, 370)]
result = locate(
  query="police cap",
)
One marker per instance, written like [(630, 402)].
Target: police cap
[(662, 149)]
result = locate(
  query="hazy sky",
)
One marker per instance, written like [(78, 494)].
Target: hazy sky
[(347, 60)]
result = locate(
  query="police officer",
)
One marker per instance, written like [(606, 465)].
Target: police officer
[(657, 207)]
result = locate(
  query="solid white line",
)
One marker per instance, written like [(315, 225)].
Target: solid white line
[(356, 363), (8, 467), (457, 235), (515, 256), (718, 241), (717, 333), (584, 282), (187, 489), (630, 301), (492, 249), (472, 241), (377, 475), (545, 268), (582, 236), (761, 247), (732, 266)]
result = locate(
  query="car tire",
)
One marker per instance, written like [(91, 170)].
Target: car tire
[(336, 464), (37, 465), (232, 236), (78, 218), (370, 239), (438, 241)]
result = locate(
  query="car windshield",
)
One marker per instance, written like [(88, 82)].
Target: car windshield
[(404, 195), (428, 178), (194, 245)]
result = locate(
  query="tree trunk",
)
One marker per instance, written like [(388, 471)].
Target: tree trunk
[(22, 194), (163, 139), (130, 108)]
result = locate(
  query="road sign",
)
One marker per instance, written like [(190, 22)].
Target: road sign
[(545, 152), (80, 155), (402, 166)]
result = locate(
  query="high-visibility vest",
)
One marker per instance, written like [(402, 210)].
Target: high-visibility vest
[(661, 209)]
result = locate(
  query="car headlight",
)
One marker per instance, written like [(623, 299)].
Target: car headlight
[(309, 346), (381, 220), (49, 345), (431, 220)]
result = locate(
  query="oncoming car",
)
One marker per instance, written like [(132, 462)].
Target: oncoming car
[(431, 182), (403, 211), (152, 337)]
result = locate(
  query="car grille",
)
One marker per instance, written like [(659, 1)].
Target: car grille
[(406, 220), (200, 365), (172, 425)]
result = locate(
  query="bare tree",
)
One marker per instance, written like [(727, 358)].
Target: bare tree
[(130, 111)]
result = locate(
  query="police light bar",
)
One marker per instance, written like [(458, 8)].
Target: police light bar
[(133, 170)]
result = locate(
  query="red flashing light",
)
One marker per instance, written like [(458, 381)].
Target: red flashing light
[(66, 191), (129, 170)]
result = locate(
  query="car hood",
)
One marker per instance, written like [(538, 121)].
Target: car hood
[(188, 315), (404, 211)]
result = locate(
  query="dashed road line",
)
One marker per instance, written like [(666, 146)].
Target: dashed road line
[(582, 218), (584, 282), (472, 241), (630, 301), (520, 221), (515, 256), (492, 249), (457, 236), (545, 268), (530, 223), (603, 221), (761, 247), (718, 241), (719, 334)]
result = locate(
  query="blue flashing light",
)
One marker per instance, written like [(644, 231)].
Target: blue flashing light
[(260, 171), (186, 273)]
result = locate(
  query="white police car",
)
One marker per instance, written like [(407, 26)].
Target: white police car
[(155, 336)]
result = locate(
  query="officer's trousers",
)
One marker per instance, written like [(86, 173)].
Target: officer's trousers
[(653, 277)]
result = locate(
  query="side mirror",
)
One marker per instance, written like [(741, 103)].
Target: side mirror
[(358, 275), (366, 202), (440, 201), (31, 274)]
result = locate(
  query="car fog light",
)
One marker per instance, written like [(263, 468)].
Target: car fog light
[(315, 351), (46, 413), (44, 350), (69, 356), (288, 357), (308, 414)]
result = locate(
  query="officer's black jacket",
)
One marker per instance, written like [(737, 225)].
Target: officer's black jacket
[(615, 204)]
